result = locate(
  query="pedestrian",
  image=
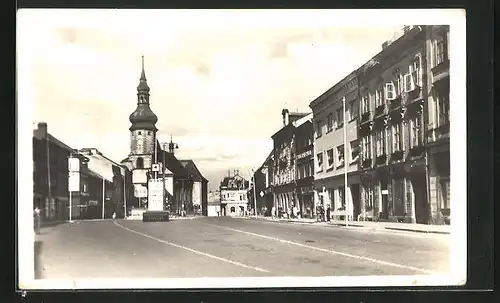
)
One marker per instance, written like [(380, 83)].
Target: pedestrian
[(328, 210), (37, 219), (114, 215), (273, 212)]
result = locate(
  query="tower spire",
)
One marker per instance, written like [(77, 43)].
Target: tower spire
[(143, 74)]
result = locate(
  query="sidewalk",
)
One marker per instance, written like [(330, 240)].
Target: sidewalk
[(410, 227)]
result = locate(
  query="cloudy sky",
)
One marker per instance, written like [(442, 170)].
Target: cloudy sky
[(218, 79)]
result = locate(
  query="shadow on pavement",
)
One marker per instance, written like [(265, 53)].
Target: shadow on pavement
[(51, 223), (38, 260)]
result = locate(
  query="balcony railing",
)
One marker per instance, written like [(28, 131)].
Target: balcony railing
[(381, 160), (366, 163), (365, 117), (379, 110), (395, 103)]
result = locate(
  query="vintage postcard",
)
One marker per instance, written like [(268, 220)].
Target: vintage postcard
[(241, 148)]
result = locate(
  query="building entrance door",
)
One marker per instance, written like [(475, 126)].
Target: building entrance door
[(420, 193), (385, 203), (356, 200)]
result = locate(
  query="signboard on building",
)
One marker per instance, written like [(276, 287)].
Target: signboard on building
[(304, 154), (155, 195), (74, 181), (73, 164), (139, 176), (140, 191)]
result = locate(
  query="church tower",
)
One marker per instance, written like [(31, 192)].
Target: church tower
[(142, 132)]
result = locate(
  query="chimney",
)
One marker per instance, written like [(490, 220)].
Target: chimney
[(41, 131), (285, 113), (386, 44)]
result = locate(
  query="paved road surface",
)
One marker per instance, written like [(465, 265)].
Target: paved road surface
[(230, 247)]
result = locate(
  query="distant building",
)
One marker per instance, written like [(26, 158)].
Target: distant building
[(213, 204), (329, 149), (95, 171), (284, 166), (264, 181), (233, 195), (200, 187), (116, 179), (304, 159)]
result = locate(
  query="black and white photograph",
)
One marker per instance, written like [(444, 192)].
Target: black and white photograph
[(241, 148)]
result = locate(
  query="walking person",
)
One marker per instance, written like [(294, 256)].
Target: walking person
[(36, 214), (273, 212)]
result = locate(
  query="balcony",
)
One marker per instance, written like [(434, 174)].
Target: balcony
[(397, 156), (441, 71), (381, 160), (379, 110), (439, 133), (396, 103), (417, 151), (365, 117), (366, 163)]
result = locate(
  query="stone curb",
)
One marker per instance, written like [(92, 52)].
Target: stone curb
[(355, 226)]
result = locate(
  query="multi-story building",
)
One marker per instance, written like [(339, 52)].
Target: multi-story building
[(438, 123), (233, 195), (284, 168), (264, 181), (392, 87), (50, 175), (101, 175), (200, 187), (329, 175), (304, 161), (213, 204)]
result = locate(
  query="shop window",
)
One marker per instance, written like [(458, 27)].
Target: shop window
[(445, 194), (233, 209)]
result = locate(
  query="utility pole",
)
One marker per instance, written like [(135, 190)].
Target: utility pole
[(254, 194), (346, 217), (103, 195), (163, 168), (124, 193)]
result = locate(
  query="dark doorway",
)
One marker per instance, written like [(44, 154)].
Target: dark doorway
[(420, 193), (385, 203), (223, 209), (356, 201)]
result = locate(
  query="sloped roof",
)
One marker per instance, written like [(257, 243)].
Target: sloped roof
[(236, 180), (171, 162), (193, 170)]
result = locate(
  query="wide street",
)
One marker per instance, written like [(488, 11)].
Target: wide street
[(232, 247)]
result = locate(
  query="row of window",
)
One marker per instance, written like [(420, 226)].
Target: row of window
[(140, 133), (334, 122), (391, 139), (399, 83), (305, 169), (337, 160), (232, 196)]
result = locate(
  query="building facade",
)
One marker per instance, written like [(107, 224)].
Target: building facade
[(304, 161), (392, 87), (213, 204), (284, 168), (265, 187), (438, 122), (233, 195), (200, 188), (330, 160)]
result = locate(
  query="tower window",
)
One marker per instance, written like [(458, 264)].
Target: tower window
[(149, 133), (139, 133), (140, 162)]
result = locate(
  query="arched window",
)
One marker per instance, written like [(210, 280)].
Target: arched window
[(140, 162), (233, 209)]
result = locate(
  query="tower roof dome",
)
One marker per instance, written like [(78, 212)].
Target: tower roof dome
[(143, 117)]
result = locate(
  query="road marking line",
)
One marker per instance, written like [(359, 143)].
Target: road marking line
[(328, 251), (191, 250)]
